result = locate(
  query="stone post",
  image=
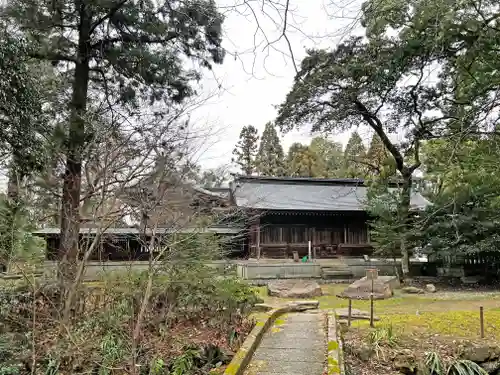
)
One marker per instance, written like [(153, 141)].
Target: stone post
[(372, 273)]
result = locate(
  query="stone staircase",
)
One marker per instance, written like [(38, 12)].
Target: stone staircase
[(337, 272)]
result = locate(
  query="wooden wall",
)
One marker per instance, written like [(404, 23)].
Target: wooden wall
[(131, 247), (278, 236)]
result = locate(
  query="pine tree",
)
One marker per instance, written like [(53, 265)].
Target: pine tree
[(129, 52), (331, 155), (302, 161), (354, 154), (270, 159), (246, 149)]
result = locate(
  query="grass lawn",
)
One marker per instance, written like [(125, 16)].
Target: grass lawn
[(444, 313)]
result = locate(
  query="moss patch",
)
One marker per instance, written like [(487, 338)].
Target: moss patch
[(452, 323), (401, 303), (333, 366), (279, 322), (333, 345), (447, 313)]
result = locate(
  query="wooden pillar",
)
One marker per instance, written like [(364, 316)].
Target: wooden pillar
[(346, 237), (258, 238)]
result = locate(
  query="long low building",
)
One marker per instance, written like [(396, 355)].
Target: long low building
[(265, 217)]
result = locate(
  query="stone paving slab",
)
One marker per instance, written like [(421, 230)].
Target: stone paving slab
[(291, 368), (291, 343), (295, 345), (288, 354)]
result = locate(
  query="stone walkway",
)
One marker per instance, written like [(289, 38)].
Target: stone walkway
[(295, 345)]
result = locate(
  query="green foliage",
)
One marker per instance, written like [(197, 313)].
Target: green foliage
[(354, 154), (380, 337), (131, 49), (124, 54), (184, 364), (10, 346), (434, 366), (246, 150), (9, 370), (52, 368), (385, 227), (434, 363), (464, 185), (465, 367), (188, 295), (22, 123), (303, 161), (113, 351), (377, 160), (17, 244), (270, 158), (214, 178), (157, 367), (330, 154)]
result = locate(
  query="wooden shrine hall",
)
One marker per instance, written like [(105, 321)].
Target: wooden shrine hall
[(285, 214)]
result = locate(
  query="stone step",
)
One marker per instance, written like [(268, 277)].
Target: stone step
[(334, 274), (335, 268)]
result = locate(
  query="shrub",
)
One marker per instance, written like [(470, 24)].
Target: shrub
[(184, 301)]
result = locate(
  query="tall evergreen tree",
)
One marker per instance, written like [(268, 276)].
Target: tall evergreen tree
[(128, 51), (354, 154), (270, 159), (378, 161), (245, 151), (331, 154), (302, 161)]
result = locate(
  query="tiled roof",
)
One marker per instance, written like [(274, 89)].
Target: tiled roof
[(115, 231), (311, 194)]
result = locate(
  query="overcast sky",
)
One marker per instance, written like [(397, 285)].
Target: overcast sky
[(253, 79)]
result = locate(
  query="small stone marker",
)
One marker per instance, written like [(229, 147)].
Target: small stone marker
[(372, 273)]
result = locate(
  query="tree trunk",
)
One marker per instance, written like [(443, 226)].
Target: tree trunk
[(404, 213), (70, 205)]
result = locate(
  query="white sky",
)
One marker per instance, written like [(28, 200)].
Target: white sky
[(248, 97)]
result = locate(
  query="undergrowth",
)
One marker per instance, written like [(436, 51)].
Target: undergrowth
[(193, 322)]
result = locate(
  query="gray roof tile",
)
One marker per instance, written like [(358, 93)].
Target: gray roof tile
[(307, 194)]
